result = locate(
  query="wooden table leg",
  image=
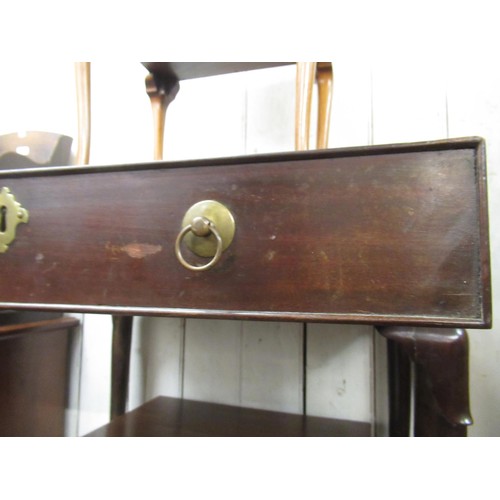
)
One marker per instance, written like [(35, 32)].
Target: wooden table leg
[(399, 390), (161, 93), (120, 363), (442, 378)]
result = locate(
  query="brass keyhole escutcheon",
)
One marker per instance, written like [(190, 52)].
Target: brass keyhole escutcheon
[(11, 215), (208, 229)]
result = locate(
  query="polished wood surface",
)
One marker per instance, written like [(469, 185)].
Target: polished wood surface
[(369, 235), (36, 325), (33, 344), (441, 357), (33, 377), (386, 235), (170, 417)]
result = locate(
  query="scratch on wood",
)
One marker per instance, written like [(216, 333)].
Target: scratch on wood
[(134, 250)]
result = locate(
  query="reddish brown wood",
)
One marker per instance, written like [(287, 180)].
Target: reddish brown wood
[(33, 345), (381, 235), (62, 323), (399, 377), (166, 417), (33, 377), (120, 364), (442, 378)]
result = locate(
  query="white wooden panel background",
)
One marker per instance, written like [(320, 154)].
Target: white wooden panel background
[(260, 364)]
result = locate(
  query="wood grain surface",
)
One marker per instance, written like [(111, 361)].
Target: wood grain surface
[(379, 235), (170, 417)]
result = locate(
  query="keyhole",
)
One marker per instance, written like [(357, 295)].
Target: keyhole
[(3, 219)]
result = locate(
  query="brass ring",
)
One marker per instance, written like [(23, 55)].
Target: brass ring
[(218, 252)]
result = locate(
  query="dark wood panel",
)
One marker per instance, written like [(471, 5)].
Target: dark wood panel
[(170, 417), (33, 377), (378, 235)]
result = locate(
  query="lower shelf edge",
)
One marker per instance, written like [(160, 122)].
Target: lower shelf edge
[(171, 417)]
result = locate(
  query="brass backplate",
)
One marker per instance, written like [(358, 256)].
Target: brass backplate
[(11, 214), (220, 216)]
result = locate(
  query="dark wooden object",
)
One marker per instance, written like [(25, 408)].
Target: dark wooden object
[(386, 235), (120, 365), (33, 344), (170, 417), (369, 235), (442, 380), (33, 377), (162, 85)]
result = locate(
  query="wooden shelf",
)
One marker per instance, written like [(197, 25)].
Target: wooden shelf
[(170, 417)]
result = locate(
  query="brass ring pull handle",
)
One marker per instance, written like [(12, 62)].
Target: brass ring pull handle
[(207, 230), (200, 226)]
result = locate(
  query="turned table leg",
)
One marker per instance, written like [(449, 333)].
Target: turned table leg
[(161, 93), (442, 380)]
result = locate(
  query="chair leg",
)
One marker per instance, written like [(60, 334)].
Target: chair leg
[(306, 75), (303, 98), (324, 77), (442, 378), (82, 75)]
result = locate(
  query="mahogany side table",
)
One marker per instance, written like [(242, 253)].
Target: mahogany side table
[(394, 236)]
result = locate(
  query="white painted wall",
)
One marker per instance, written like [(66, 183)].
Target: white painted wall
[(260, 364)]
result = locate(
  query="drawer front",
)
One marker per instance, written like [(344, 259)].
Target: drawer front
[(371, 235)]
